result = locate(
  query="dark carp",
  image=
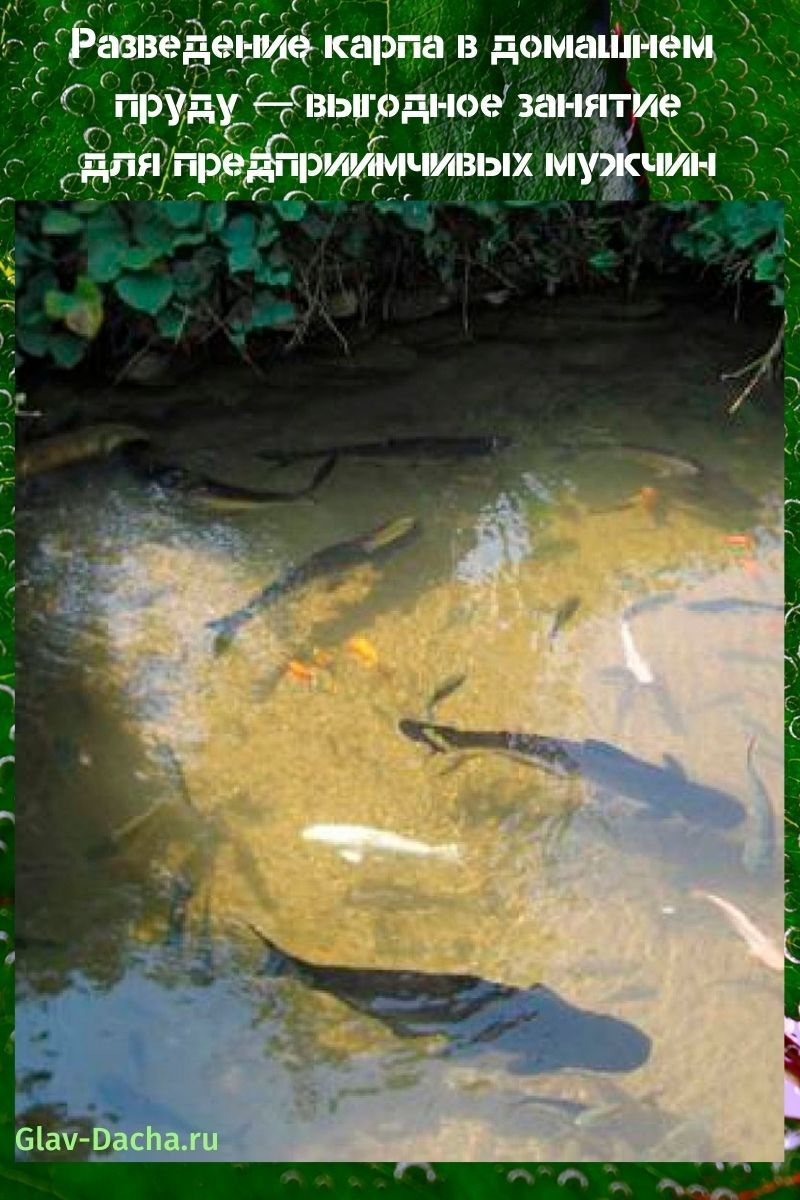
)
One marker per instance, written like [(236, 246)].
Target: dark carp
[(443, 691), (113, 843), (400, 447), (562, 615), (216, 494), (758, 855), (330, 561), (77, 446), (732, 604), (665, 791), (665, 463), (541, 1030)]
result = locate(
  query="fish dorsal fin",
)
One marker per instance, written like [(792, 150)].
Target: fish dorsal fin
[(672, 764), (278, 961), (435, 739)]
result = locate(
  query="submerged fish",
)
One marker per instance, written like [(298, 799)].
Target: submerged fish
[(110, 845), (758, 855), (225, 497), (733, 604), (664, 462), (332, 560), (657, 600), (409, 447), (445, 689), (122, 1102), (634, 662), (79, 445), (759, 945), (664, 790), (362, 649), (295, 669), (354, 841), (638, 674), (474, 1014), (647, 499), (564, 613), (181, 893)]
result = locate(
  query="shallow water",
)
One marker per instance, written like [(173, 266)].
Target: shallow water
[(129, 1014)]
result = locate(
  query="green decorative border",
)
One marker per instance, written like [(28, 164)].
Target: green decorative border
[(741, 106)]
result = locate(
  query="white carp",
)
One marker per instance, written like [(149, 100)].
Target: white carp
[(354, 841), (759, 945)]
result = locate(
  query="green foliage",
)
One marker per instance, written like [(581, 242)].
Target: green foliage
[(160, 264), (743, 238), (81, 310), (416, 215), (167, 271)]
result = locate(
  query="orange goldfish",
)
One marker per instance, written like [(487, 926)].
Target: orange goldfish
[(300, 671), (363, 650), (742, 540)]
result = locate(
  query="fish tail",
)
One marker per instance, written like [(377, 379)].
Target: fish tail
[(321, 474), (278, 961), (751, 748), (451, 852), (270, 945), (424, 732), (388, 534), (224, 630)]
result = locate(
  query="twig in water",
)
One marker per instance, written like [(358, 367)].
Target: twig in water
[(761, 367)]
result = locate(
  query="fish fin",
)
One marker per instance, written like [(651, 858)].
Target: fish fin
[(270, 945), (175, 765), (457, 761), (105, 848), (352, 856), (443, 692), (751, 746), (672, 764), (321, 474), (223, 633), (181, 893)]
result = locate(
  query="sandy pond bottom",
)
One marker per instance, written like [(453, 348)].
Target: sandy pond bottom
[(136, 1009)]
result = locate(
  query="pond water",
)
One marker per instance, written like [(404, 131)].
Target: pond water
[(165, 788)]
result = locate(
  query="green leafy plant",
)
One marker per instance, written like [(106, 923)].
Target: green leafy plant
[(181, 271)]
